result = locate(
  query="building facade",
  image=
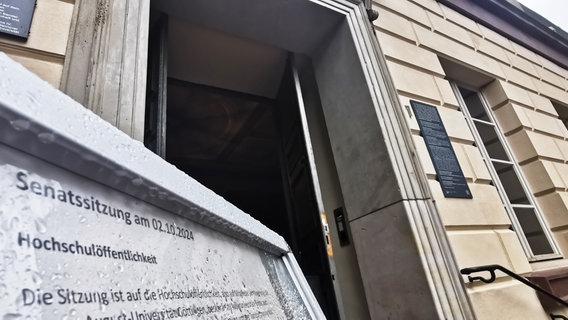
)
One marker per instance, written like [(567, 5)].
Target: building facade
[(306, 115)]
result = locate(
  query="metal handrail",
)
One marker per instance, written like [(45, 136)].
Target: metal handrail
[(491, 269)]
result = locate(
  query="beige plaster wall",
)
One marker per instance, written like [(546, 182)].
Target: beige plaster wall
[(413, 34), (44, 51)]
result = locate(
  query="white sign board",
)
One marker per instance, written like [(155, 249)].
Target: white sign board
[(85, 236)]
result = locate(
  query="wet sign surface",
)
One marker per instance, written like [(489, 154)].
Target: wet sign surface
[(72, 247), (87, 238)]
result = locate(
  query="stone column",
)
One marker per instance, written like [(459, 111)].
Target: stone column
[(106, 61)]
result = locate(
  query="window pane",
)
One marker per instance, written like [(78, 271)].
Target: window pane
[(533, 231), (474, 104), (511, 184), (491, 141)]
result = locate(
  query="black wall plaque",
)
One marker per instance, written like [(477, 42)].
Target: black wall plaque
[(16, 17), (441, 152)]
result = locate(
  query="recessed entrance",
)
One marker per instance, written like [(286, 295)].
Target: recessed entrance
[(233, 103), (244, 149), (232, 122)]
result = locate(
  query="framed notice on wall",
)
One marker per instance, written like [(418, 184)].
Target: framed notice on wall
[(16, 17), (448, 170), (82, 249)]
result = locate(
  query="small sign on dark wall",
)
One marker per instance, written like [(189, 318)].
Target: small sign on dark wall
[(341, 226), (16, 17), (441, 152)]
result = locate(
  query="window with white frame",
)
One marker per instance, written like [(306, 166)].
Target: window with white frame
[(525, 216)]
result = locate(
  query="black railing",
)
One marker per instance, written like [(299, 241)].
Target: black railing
[(491, 269)]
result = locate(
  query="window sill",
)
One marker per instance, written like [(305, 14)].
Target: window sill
[(556, 263)]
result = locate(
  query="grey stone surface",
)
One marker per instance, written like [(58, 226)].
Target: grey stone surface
[(105, 65), (365, 170), (344, 257), (292, 25), (390, 262)]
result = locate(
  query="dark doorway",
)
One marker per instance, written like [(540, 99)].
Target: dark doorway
[(225, 110), (250, 150), (228, 141)]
